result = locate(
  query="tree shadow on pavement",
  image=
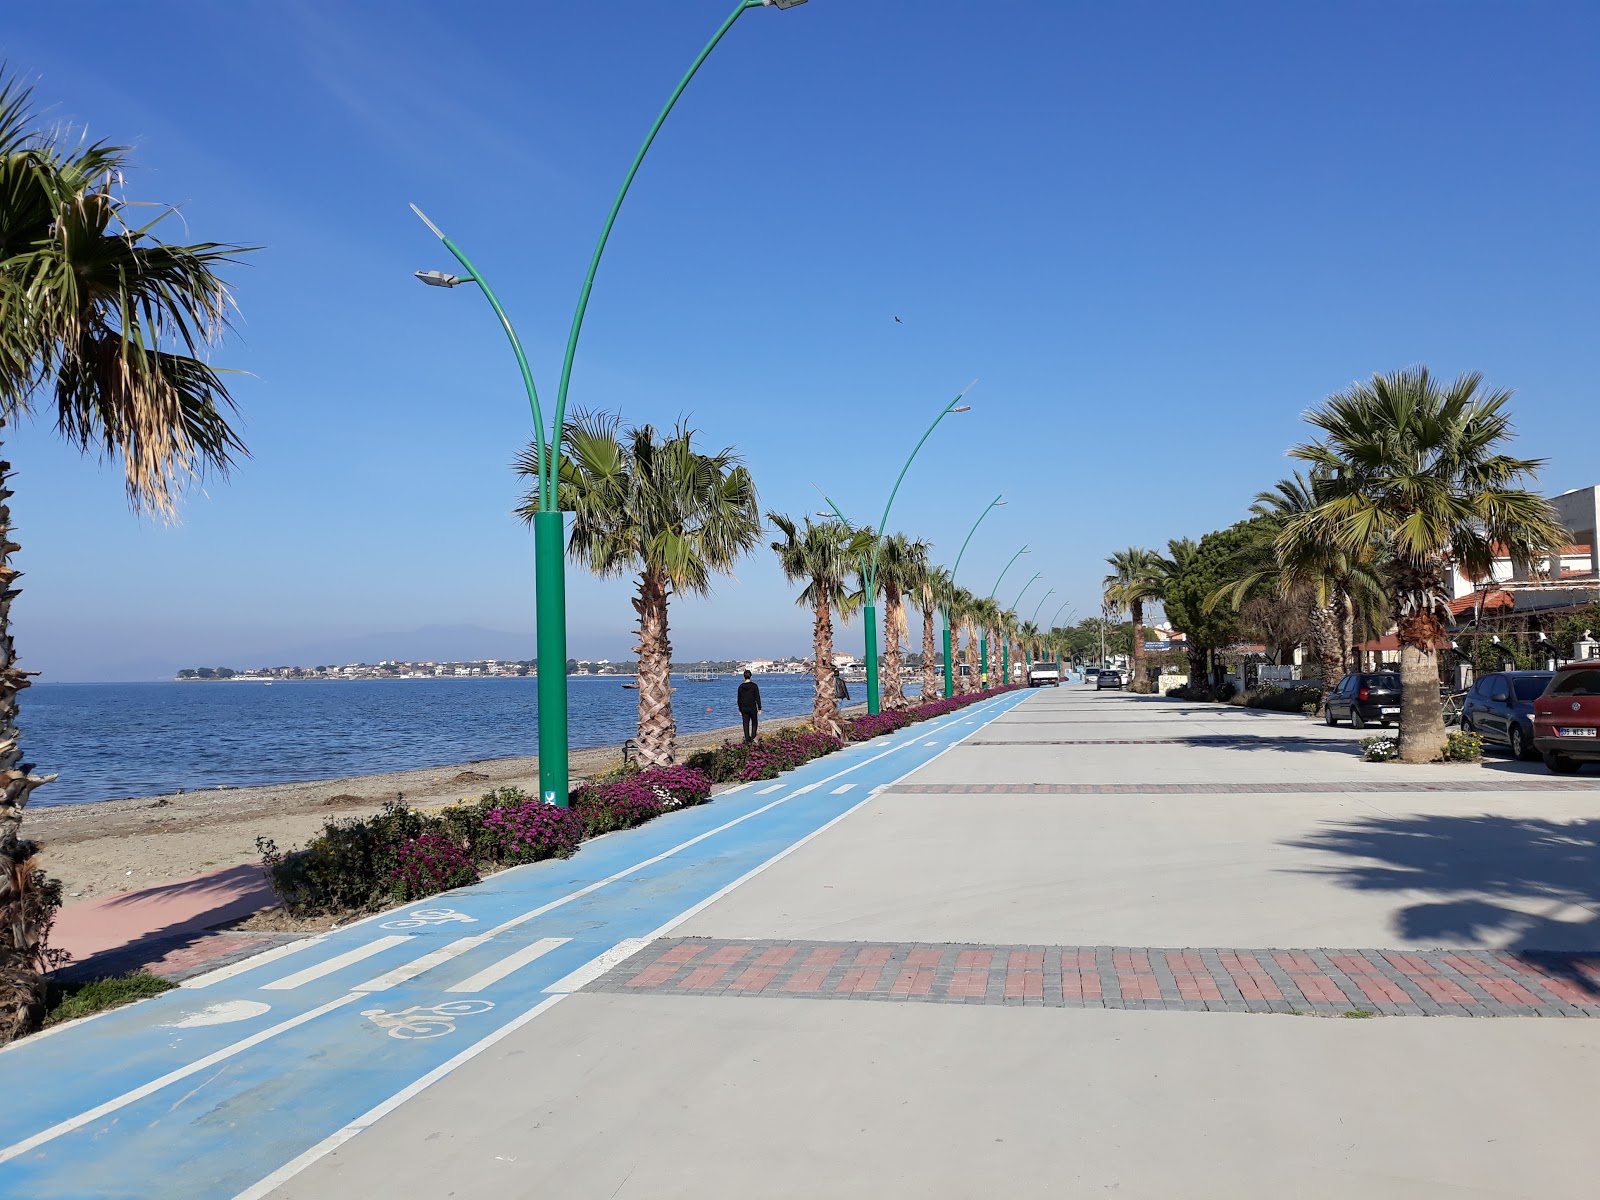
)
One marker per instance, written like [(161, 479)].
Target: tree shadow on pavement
[(1499, 881)]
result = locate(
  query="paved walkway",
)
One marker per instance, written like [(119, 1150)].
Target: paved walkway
[(1462, 983), (661, 1016)]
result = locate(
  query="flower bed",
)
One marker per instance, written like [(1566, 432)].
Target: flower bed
[(401, 854)]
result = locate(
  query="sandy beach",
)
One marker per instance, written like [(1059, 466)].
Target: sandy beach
[(115, 846)]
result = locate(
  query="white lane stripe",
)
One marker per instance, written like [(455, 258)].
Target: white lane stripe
[(373, 1115), (810, 787), (596, 967), (765, 790), (155, 1085), (337, 963), (930, 743), (255, 960), (495, 972), (738, 787), (590, 970), (841, 789), (410, 970)]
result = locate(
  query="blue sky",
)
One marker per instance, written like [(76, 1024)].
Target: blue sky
[(1156, 233)]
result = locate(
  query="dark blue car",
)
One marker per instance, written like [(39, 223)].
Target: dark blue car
[(1499, 708)]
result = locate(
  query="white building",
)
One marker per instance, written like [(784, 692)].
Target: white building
[(1571, 576)]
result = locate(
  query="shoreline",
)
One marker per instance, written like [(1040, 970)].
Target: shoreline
[(98, 848)]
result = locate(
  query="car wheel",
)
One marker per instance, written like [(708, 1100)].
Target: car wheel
[(1384, 722), (1357, 721), (1327, 715), (1561, 764), (1520, 749)]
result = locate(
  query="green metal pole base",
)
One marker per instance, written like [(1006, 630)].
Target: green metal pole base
[(550, 593), (1005, 664), (949, 667), (983, 662), (870, 615)]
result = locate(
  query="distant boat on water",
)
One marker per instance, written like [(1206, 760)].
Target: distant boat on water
[(632, 687), (700, 677)]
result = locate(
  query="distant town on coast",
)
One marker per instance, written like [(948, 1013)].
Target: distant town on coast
[(497, 668)]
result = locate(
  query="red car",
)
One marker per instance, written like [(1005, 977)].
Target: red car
[(1566, 719)]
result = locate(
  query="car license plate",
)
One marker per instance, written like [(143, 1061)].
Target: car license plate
[(1387, 711), (1575, 731)]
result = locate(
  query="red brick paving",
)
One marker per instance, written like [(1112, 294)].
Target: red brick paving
[(1325, 982)]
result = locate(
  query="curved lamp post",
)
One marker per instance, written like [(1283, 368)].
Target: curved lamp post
[(1034, 620), (1064, 603), (550, 586), (869, 567), (1005, 649), (949, 665)]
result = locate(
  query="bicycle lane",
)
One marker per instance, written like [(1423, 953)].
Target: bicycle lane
[(216, 1085)]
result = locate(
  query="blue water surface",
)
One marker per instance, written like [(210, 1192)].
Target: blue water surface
[(113, 740)]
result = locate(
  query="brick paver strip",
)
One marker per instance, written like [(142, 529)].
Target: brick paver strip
[(1361, 786), (1474, 983)]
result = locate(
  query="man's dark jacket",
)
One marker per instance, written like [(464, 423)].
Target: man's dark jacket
[(749, 697)]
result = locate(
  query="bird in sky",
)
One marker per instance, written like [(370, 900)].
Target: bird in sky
[(898, 321)]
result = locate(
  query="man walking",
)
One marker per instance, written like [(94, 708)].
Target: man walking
[(749, 707)]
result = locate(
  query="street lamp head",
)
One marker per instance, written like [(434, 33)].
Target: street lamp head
[(782, 3), (998, 503), (962, 408), (438, 279)]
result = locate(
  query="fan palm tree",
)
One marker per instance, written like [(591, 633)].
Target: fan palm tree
[(900, 559), (822, 555), (1135, 579), (931, 587), (653, 505), (1414, 470), (962, 617), (104, 326), (1332, 584), (1031, 639)]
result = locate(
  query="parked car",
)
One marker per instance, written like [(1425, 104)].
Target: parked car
[(1108, 679), (1364, 698), (1566, 719), (1499, 709), (1090, 673), (1044, 674)]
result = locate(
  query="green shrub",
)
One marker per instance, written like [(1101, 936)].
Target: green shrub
[(1380, 748), (348, 866), (1274, 698), (1463, 747), (67, 1001)]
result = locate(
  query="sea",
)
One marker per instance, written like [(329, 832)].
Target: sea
[(109, 741)]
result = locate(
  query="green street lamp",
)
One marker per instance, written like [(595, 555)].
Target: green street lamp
[(550, 586), (949, 663), (983, 645), (1034, 620), (1057, 614), (869, 568)]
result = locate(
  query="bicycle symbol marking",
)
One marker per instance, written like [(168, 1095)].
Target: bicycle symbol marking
[(429, 916), (420, 1021)]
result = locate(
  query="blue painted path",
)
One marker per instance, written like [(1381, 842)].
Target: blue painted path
[(211, 1090)]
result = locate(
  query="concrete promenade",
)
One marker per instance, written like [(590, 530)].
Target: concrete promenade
[(1070, 944)]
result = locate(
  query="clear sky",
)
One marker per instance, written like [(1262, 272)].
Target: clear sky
[(1156, 233)]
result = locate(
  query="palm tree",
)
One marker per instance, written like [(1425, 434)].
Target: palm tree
[(900, 560), (1136, 577), (963, 615), (1333, 585), (1415, 472), (821, 555), (1031, 640), (931, 586), (656, 506), (104, 326)]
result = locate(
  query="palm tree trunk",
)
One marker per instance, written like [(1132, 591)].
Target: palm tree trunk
[(1136, 611), (930, 674), (658, 732), (1323, 621), (971, 682), (894, 693), (28, 899), (824, 706), (1422, 731)]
